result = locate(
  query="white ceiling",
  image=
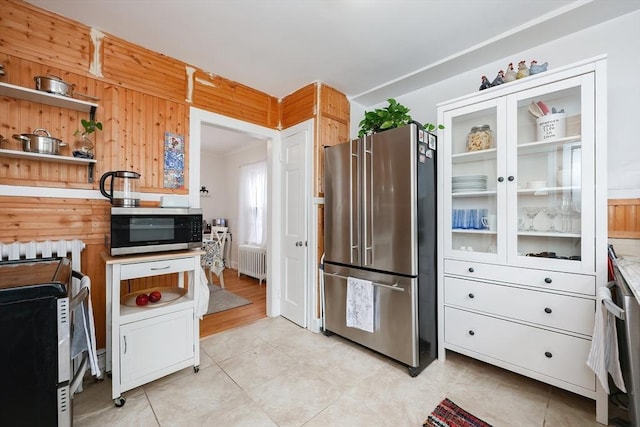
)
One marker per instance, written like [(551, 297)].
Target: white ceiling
[(370, 50)]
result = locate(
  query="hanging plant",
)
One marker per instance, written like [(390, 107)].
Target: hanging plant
[(390, 117)]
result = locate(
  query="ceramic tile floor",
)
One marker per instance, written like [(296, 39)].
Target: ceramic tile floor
[(273, 373)]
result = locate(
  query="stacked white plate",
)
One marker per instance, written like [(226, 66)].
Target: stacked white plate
[(469, 183)]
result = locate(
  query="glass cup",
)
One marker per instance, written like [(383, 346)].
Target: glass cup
[(489, 222)]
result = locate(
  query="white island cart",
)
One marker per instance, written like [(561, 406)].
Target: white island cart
[(149, 342)]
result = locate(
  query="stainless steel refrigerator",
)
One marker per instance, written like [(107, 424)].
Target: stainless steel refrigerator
[(380, 226)]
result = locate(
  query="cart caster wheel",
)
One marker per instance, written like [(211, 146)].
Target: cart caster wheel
[(196, 369), (119, 401)]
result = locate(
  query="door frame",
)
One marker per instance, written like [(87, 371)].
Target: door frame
[(200, 117)]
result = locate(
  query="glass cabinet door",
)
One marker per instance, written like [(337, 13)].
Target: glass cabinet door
[(471, 197), (549, 174)]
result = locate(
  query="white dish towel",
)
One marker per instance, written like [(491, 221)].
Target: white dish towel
[(361, 304), (202, 295), (84, 337), (604, 357)]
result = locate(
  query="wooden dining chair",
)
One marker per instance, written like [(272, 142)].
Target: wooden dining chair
[(214, 253)]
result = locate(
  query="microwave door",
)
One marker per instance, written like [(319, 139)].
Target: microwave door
[(342, 203)]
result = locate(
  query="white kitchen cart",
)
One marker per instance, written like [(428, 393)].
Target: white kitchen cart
[(520, 291), (147, 343)]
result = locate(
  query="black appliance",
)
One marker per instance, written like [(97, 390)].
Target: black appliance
[(380, 226), (144, 230), (36, 333)]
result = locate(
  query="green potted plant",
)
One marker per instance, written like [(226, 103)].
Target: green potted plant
[(392, 116), (84, 145)]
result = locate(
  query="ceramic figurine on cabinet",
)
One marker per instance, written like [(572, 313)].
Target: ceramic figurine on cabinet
[(534, 68), (499, 79), (510, 75), (523, 71), (485, 83)]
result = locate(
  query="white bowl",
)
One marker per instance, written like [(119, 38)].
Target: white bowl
[(537, 184)]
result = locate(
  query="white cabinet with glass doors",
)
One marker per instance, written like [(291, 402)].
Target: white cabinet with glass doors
[(523, 223)]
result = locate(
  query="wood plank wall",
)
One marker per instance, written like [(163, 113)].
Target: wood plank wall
[(330, 109), (624, 218), (143, 94)]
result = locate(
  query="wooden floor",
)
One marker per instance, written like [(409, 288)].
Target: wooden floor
[(246, 287)]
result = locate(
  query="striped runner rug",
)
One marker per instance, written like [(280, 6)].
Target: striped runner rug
[(448, 414)]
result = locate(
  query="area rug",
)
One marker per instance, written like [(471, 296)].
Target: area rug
[(221, 300), (448, 414)]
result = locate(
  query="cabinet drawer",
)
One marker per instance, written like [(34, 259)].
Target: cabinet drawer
[(557, 311), (156, 268), (549, 353), (543, 279)]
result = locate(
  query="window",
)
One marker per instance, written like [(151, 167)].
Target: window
[(252, 209)]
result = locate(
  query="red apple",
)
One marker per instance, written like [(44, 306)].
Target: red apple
[(155, 296), (142, 299)]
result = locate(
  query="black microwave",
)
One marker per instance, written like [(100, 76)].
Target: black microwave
[(144, 230)]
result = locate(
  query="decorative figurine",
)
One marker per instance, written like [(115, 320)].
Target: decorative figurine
[(499, 79), (534, 68), (510, 75), (485, 83), (523, 71)]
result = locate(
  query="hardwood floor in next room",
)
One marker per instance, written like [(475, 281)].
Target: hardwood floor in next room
[(246, 287)]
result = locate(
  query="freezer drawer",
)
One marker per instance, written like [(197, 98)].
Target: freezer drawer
[(396, 329)]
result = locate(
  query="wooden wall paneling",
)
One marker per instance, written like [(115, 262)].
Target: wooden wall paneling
[(43, 218), (150, 72), (331, 132), (43, 37), (299, 106), (232, 99), (334, 104), (624, 218)]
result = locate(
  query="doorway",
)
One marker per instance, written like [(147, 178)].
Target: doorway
[(200, 119)]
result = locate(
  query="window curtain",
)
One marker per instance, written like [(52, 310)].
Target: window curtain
[(252, 209)]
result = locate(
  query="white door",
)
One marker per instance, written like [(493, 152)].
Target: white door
[(295, 185)]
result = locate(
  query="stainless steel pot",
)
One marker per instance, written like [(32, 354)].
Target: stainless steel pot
[(43, 144), (53, 84)]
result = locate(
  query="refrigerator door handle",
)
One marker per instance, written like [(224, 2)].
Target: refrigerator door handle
[(367, 185), (393, 287), (353, 236)]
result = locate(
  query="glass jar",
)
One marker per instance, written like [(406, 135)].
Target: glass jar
[(83, 147), (479, 138)]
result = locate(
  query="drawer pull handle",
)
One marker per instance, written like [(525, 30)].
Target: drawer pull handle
[(160, 268), (547, 280), (500, 179), (472, 296), (472, 333), (547, 310), (511, 178), (548, 354), (471, 270)]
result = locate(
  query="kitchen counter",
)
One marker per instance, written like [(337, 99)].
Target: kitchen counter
[(629, 267)]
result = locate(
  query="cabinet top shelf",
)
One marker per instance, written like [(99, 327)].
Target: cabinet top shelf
[(33, 95)]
